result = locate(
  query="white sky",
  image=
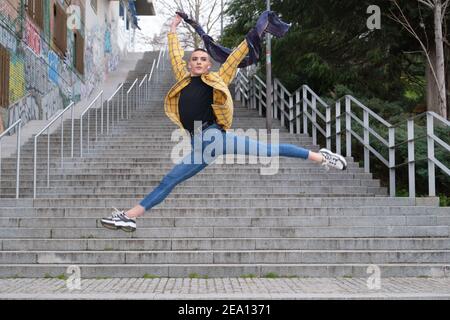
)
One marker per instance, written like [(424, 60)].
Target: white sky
[(151, 25)]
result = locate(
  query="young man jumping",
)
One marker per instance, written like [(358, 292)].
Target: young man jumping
[(201, 96)]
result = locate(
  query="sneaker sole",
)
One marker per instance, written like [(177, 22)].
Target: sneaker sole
[(341, 158), (344, 162), (127, 229), (109, 226)]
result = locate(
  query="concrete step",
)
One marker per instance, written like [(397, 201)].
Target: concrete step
[(55, 144), (230, 232), (227, 270), (225, 257), (213, 197), (160, 170), (355, 202), (230, 163), (154, 222), (201, 244), (210, 191), (198, 182), (209, 212)]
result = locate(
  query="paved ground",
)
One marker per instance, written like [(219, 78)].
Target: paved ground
[(225, 288)]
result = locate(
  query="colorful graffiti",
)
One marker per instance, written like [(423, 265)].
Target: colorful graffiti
[(108, 47), (8, 11), (25, 109), (53, 62), (36, 72), (7, 39), (17, 78), (41, 80), (32, 37), (51, 103)]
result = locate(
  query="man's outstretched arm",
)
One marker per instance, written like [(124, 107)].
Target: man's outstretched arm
[(228, 69), (176, 53)]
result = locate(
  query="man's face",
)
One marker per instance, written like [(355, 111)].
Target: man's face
[(199, 63)]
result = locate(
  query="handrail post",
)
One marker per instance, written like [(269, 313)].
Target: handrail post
[(392, 161), (87, 110), (297, 111), (338, 127), (430, 156), (314, 119), (328, 126), (121, 102), (237, 88), (291, 114), (107, 116), (276, 99), (71, 113), (18, 160), (48, 157), (102, 115), (366, 142), (7, 131), (127, 105), (62, 142), (96, 113), (88, 131), (411, 160), (348, 127), (252, 92), (81, 137), (305, 110), (34, 167)]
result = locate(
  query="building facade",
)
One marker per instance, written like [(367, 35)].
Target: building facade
[(56, 51)]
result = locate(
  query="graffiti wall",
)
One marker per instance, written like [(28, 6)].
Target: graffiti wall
[(41, 80), (17, 77), (32, 37), (26, 109)]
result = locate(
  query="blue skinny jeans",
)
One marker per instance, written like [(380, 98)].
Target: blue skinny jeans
[(196, 161)]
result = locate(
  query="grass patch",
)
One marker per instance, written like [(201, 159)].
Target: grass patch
[(150, 276), (444, 201), (62, 277), (271, 275), (198, 276)]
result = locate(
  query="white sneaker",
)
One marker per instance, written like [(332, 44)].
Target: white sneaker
[(119, 220), (333, 160)]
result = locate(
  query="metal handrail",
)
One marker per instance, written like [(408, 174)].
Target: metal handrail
[(108, 102), (250, 90), (432, 161), (140, 86), (149, 79), (15, 124), (100, 95), (159, 59), (127, 97), (70, 106)]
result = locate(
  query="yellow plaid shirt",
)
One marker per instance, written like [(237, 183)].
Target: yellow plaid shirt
[(222, 100)]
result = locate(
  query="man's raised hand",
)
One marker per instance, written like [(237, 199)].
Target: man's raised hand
[(176, 21)]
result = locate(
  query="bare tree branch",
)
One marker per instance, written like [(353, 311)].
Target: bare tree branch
[(428, 3), (207, 14), (407, 25)]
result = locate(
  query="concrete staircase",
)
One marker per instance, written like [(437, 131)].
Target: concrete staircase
[(229, 220)]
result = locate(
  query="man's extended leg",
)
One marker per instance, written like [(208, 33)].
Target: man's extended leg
[(189, 166), (245, 146)]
